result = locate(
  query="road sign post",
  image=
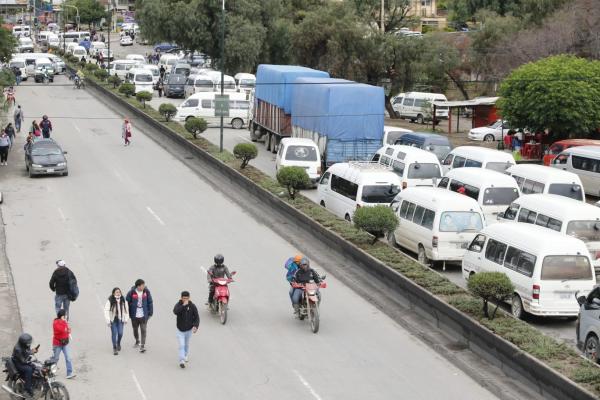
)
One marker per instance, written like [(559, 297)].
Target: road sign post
[(221, 105)]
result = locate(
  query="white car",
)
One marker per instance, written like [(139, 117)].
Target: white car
[(300, 152), (126, 41), (489, 133)]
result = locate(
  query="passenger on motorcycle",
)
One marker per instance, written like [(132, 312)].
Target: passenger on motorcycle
[(21, 357), (218, 270), (291, 266), (303, 275)]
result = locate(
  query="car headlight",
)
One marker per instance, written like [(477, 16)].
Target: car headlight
[(61, 164), (36, 165)]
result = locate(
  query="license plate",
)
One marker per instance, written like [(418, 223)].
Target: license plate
[(462, 245), (565, 295), (50, 170)]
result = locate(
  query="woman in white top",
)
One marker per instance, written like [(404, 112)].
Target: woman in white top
[(116, 313)]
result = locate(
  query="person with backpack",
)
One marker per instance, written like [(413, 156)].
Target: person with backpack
[(116, 313), (35, 131), (64, 283), (46, 127), (60, 341), (292, 265), (141, 308), (18, 117)]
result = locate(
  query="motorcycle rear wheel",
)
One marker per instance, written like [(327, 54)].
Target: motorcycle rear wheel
[(16, 387), (57, 391), (313, 315), (223, 312)]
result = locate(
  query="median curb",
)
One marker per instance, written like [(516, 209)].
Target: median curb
[(515, 362)]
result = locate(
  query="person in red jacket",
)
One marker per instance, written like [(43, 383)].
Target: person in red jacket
[(60, 341)]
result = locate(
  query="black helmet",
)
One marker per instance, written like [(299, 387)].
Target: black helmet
[(25, 340), (219, 259)]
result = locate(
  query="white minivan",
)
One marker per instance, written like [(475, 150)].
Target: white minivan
[(121, 67), (417, 106), (492, 190), (25, 45), (19, 63), (198, 83), (245, 82), (344, 187), (393, 133), (142, 80), (168, 61), (546, 268), (478, 157), (202, 105), (300, 152), (414, 166), (561, 214), (79, 51), (533, 178), (436, 224), (153, 69), (585, 162)]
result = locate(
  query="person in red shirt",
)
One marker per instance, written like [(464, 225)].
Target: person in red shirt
[(60, 341)]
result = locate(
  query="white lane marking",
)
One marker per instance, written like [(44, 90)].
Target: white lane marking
[(160, 221), (62, 214), (137, 385), (245, 138), (307, 386), (76, 127)]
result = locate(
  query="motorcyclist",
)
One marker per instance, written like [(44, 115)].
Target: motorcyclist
[(21, 357), (303, 275), (218, 270), (79, 78)]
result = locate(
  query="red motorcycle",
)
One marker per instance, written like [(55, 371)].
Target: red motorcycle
[(309, 305), (220, 302)]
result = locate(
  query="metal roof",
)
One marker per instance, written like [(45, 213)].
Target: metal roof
[(479, 101)]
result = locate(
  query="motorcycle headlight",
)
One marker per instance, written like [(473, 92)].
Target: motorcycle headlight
[(53, 369)]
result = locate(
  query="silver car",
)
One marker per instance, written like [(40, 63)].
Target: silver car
[(45, 157), (588, 324)]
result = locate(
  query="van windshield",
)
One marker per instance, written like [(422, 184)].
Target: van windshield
[(423, 171), (566, 268), (143, 78), (498, 166), (440, 151), (379, 193), (17, 64), (499, 196), (301, 153), (587, 231), (460, 221), (247, 83), (393, 136), (566, 190)]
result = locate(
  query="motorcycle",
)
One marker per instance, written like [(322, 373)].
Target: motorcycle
[(309, 304), (45, 385), (78, 83), (220, 303)]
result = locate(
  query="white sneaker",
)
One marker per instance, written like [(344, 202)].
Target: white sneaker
[(73, 375), (186, 359)]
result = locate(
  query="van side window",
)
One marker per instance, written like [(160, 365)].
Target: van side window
[(375, 158), (585, 163), (428, 218), (458, 162), (191, 103), (410, 211), (527, 216), (206, 103), (418, 217), (324, 178), (389, 151), (344, 187), (530, 186), (462, 188), (404, 209), (477, 244), (408, 102), (401, 155), (520, 261), (398, 167), (398, 100), (448, 160), (444, 182), (548, 222), (561, 159), (495, 251), (511, 211), (473, 163), (419, 102)]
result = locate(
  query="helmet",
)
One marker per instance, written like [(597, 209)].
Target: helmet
[(298, 258), (304, 261), (219, 259), (25, 340), (44, 117)]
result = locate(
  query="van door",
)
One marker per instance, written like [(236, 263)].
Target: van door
[(324, 190), (472, 258), (588, 170)]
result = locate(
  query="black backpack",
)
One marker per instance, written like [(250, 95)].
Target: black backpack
[(73, 288)]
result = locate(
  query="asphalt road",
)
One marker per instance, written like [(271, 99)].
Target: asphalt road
[(129, 212)]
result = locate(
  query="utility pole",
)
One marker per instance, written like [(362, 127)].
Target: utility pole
[(382, 16), (222, 69), (64, 10)]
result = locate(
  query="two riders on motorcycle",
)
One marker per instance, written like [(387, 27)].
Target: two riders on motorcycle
[(299, 271)]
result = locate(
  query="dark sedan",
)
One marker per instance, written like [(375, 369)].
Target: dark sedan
[(175, 85), (164, 47), (45, 157)]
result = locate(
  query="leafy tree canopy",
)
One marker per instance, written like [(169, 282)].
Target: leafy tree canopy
[(7, 43), (90, 11)]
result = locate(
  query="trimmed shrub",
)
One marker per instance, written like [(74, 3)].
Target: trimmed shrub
[(293, 178), (143, 97), (491, 286), (114, 80), (101, 74), (91, 67), (128, 89), (245, 152), (167, 110), (378, 220), (195, 126)]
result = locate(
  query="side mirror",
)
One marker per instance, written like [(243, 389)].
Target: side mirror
[(233, 273), (581, 300), (500, 216), (323, 277)]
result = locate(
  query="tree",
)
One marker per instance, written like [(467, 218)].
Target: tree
[(90, 11), (245, 152), (167, 110), (195, 126), (114, 80), (143, 97), (491, 286), (101, 74), (293, 178), (7, 43), (128, 89), (378, 220), (558, 93)]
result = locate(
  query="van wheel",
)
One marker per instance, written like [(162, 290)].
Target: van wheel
[(237, 123), (420, 119), (590, 349), (347, 218), (391, 237), (471, 274), (268, 141), (422, 256), (274, 144), (322, 204), (397, 114), (488, 138), (516, 307)]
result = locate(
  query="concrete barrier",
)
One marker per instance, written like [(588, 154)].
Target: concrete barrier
[(496, 350)]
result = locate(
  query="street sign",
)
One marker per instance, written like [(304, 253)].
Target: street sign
[(221, 105)]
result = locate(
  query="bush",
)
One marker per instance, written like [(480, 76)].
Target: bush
[(91, 67), (245, 152), (101, 74), (114, 80), (377, 220), (293, 178), (7, 78), (128, 89), (167, 110), (82, 64), (143, 97), (491, 286), (195, 126)]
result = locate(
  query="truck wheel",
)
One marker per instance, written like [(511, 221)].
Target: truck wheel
[(253, 136), (268, 137), (420, 119)]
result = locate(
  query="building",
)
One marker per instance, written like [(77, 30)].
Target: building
[(427, 12)]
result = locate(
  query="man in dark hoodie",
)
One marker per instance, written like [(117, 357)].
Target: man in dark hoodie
[(59, 283), (188, 321)]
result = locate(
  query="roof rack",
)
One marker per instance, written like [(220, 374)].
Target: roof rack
[(367, 165)]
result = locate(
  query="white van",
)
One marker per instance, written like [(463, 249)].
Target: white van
[(43, 36), (136, 57), (154, 70), (21, 30), (533, 178), (417, 106), (70, 46), (344, 187), (436, 224), (53, 41), (19, 63), (585, 162), (168, 61), (95, 47), (25, 45), (229, 82), (141, 78), (414, 166), (245, 82), (203, 105), (303, 153), (197, 84), (79, 51), (492, 190), (478, 157), (393, 133), (121, 67), (546, 267), (74, 36), (561, 214)]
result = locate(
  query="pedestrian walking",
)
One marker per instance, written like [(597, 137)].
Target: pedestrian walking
[(63, 283), (35, 131), (18, 118), (141, 308), (126, 132), (10, 132), (162, 71), (60, 341), (160, 86), (116, 313), (188, 321), (46, 126), (18, 75), (4, 146)]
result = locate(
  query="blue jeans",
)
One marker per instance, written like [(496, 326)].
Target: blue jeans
[(62, 302), (18, 79), (184, 343), (296, 295), (67, 352), (116, 333), (18, 124)]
